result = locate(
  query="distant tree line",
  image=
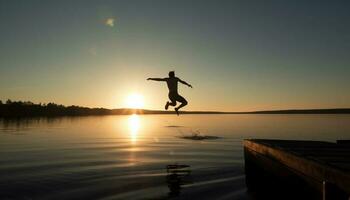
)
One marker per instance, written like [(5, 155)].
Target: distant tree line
[(29, 109)]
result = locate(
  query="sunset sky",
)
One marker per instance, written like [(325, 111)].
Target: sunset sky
[(238, 55)]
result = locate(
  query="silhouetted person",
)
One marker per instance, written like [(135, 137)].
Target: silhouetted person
[(173, 94)]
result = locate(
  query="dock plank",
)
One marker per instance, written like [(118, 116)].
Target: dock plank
[(318, 160)]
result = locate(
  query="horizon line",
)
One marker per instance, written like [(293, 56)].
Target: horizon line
[(347, 109)]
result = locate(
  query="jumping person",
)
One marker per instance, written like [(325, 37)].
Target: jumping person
[(173, 94)]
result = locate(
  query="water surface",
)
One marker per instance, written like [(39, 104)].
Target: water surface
[(124, 157)]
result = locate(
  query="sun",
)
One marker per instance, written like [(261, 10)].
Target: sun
[(134, 101)]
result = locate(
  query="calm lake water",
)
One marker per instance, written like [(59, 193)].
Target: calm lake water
[(124, 157)]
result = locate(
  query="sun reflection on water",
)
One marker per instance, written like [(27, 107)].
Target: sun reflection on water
[(134, 126)]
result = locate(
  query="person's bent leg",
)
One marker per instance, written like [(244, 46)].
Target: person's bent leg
[(183, 103), (172, 102), (167, 105)]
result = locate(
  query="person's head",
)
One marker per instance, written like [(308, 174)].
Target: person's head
[(172, 74)]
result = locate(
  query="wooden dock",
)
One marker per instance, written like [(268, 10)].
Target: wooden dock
[(298, 169)]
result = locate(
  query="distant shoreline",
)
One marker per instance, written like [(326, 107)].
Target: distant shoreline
[(29, 109)]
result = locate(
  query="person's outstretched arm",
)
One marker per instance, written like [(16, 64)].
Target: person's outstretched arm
[(156, 79), (184, 82)]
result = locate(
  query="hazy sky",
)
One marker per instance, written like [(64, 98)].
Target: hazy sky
[(238, 55)]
